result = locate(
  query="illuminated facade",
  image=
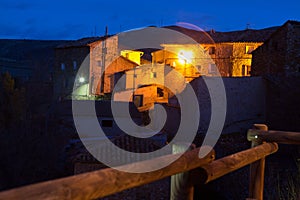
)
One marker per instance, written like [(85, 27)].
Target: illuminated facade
[(232, 59)]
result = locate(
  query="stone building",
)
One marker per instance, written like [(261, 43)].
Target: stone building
[(280, 54), (106, 55), (78, 67), (68, 59), (229, 52)]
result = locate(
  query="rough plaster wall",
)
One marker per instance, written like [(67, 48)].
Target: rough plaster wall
[(283, 108), (245, 104), (222, 58)]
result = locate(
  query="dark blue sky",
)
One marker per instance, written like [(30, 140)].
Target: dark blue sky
[(65, 19)]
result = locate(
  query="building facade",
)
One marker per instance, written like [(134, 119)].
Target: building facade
[(280, 54)]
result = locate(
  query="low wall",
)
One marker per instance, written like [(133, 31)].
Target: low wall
[(245, 104)]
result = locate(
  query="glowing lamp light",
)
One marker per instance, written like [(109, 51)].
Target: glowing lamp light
[(81, 79), (185, 56)]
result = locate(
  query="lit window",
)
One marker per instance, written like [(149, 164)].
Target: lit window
[(174, 64), (249, 49)]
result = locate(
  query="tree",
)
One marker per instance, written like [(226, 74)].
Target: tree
[(12, 103)]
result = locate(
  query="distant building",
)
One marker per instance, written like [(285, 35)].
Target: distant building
[(229, 51), (105, 54), (68, 59), (78, 66), (280, 54)]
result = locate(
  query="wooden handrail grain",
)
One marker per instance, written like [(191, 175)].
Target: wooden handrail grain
[(105, 182), (281, 137), (223, 166)]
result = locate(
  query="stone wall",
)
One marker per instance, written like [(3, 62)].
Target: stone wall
[(280, 54), (64, 76), (102, 55), (245, 104)]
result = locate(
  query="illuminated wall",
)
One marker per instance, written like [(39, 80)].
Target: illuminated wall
[(188, 59), (102, 54), (242, 58), (230, 58), (134, 56)]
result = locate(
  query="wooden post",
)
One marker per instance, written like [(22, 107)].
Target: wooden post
[(181, 186), (257, 170)]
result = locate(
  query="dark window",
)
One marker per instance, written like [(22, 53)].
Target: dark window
[(106, 123), (246, 70), (153, 75), (160, 92), (212, 50), (138, 100), (212, 68)]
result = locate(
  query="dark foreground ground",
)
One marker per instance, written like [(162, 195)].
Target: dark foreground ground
[(29, 160), (282, 176)]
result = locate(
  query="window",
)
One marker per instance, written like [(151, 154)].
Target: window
[(212, 50), (74, 65), (99, 63), (138, 100), (160, 92), (153, 75), (62, 66), (246, 70), (173, 64), (249, 49), (212, 68), (106, 123)]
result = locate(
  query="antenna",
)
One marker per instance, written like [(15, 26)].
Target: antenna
[(247, 26), (106, 30)]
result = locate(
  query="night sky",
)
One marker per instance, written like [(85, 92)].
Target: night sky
[(65, 19)]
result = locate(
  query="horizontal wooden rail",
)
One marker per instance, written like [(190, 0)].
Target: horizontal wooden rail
[(281, 137), (109, 181), (223, 166)]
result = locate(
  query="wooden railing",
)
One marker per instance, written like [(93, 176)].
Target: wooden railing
[(186, 171)]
